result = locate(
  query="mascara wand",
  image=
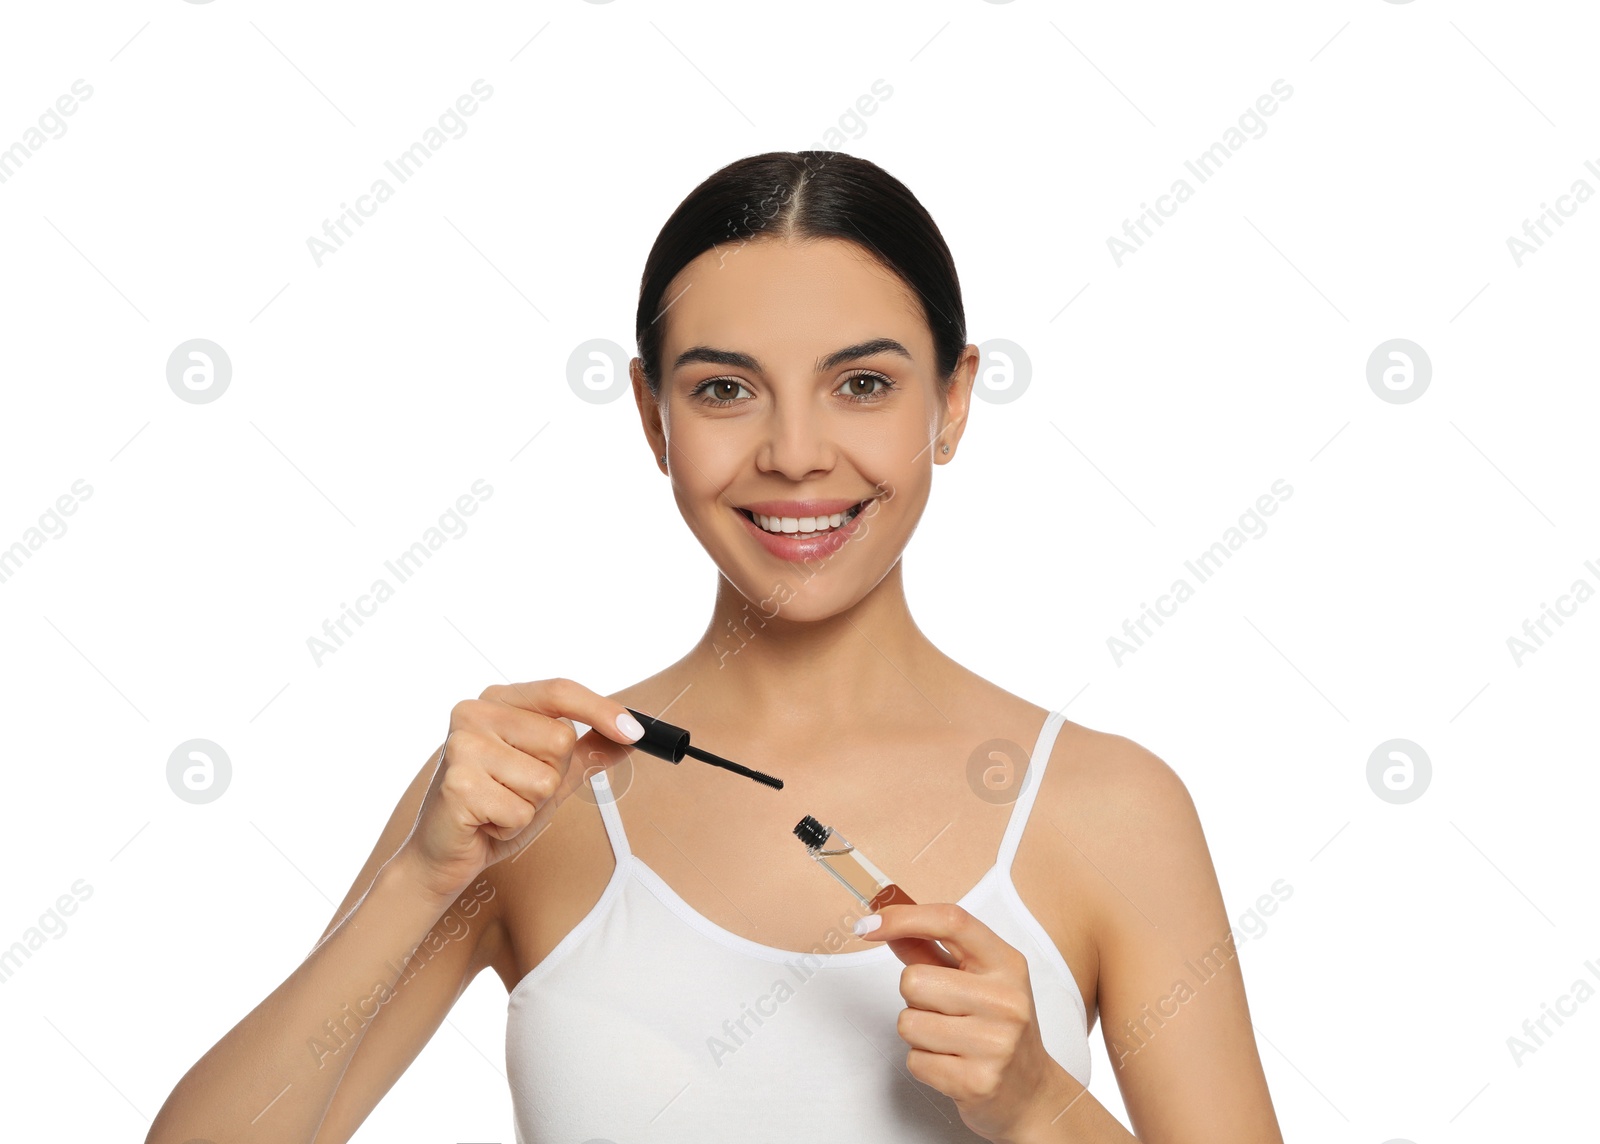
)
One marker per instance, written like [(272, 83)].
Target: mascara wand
[(665, 741)]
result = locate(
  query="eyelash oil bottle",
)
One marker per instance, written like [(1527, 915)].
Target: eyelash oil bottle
[(854, 871)]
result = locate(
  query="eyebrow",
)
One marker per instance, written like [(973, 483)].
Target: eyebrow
[(712, 356)]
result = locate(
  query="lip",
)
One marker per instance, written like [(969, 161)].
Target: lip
[(784, 545), (798, 508)]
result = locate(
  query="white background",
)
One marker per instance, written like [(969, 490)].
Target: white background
[(1166, 395)]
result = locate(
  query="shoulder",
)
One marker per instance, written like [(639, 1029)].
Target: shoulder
[(1089, 772), (1111, 783), (1124, 812)]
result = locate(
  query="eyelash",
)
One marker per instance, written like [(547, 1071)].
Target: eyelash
[(721, 402)]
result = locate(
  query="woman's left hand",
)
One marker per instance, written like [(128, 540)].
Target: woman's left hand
[(971, 1024)]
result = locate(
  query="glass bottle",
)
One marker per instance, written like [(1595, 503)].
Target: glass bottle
[(853, 870)]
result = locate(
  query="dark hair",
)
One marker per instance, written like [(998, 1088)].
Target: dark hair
[(804, 195)]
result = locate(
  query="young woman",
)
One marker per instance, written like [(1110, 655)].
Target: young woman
[(678, 967)]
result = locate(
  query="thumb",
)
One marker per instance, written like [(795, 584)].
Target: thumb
[(911, 950)]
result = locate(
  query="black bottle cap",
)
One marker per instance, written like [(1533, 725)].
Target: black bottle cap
[(811, 832), (660, 738)]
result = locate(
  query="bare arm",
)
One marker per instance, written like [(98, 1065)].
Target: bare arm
[(1171, 995), (397, 957), (418, 924)]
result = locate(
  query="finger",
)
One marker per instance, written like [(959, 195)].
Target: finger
[(541, 736), (523, 775), (557, 698), (921, 951), (945, 989), (554, 740), (935, 1032), (593, 753), (943, 1071), (976, 947), (494, 807)]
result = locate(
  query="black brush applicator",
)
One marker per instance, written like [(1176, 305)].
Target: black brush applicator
[(665, 741)]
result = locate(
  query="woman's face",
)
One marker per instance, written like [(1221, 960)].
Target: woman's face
[(798, 382)]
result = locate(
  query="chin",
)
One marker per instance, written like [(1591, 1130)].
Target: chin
[(801, 594)]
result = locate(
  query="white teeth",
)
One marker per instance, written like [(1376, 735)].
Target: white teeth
[(804, 525)]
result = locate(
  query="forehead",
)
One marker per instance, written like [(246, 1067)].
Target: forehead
[(777, 293)]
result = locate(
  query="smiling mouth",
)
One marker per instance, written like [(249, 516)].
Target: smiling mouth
[(803, 527)]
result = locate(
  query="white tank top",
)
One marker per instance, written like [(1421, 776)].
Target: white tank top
[(648, 1022)]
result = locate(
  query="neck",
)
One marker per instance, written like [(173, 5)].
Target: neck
[(841, 672)]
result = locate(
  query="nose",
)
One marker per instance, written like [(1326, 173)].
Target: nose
[(797, 444)]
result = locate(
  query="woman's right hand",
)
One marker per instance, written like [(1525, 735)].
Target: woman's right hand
[(508, 753)]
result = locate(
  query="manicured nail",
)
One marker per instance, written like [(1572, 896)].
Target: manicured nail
[(630, 726), (867, 924)]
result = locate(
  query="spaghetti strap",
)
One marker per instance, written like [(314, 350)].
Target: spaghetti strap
[(1031, 780), (637, 986), (601, 785)]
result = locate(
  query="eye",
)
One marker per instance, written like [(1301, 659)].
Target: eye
[(848, 388), (714, 390), (724, 391)]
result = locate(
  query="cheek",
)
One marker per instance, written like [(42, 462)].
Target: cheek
[(893, 454), (706, 457), (909, 437)]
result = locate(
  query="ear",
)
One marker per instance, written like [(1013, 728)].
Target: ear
[(957, 403), (649, 413)]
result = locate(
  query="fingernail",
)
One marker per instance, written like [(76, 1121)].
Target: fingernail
[(630, 726), (867, 924)]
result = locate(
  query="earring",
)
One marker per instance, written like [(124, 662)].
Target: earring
[(947, 448), (664, 457)]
